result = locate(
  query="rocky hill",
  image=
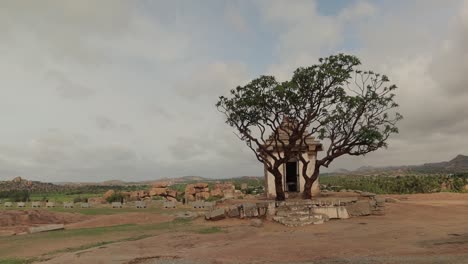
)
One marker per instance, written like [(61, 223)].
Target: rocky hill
[(19, 183)]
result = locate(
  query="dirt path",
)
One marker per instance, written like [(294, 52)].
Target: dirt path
[(421, 229)]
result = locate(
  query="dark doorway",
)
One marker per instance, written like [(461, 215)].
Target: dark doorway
[(291, 177)]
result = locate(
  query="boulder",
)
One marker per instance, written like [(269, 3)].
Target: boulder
[(190, 189), (17, 180), (216, 193), (202, 195), (244, 186), (160, 185), (172, 193), (201, 185), (171, 199), (189, 198), (158, 191), (229, 194), (214, 215)]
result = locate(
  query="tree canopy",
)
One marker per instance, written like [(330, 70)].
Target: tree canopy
[(353, 111)]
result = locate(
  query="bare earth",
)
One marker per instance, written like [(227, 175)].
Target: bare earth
[(423, 228)]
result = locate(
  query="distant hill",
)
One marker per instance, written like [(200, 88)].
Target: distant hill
[(19, 183), (458, 164)]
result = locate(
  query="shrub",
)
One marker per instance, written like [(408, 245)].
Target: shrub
[(116, 197), (80, 199)]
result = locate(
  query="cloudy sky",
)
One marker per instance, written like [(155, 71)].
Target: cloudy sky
[(98, 90)]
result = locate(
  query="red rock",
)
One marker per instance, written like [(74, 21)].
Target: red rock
[(160, 185), (108, 194), (158, 192)]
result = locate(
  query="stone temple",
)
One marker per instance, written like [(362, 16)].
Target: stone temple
[(293, 181)]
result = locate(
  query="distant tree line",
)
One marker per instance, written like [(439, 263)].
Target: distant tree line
[(398, 185), (15, 195)]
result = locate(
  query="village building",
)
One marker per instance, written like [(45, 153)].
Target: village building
[(293, 181)]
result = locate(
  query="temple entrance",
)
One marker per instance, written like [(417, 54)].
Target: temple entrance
[(292, 177)]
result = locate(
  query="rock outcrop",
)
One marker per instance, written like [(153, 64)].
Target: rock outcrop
[(198, 191)]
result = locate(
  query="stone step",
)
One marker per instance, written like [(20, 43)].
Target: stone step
[(292, 213)]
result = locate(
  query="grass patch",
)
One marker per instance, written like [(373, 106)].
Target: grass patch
[(104, 211), (97, 244), (209, 230), (17, 261)]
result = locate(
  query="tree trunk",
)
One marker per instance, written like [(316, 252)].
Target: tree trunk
[(308, 184), (279, 186)]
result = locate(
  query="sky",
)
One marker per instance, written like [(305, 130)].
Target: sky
[(111, 89)]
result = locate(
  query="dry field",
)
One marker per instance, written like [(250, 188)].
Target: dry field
[(422, 228)]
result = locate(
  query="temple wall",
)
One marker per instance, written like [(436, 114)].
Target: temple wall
[(270, 179)]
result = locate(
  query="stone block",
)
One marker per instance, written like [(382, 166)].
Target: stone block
[(116, 205), (330, 211), (8, 204), (140, 204), (68, 205), (210, 205), (84, 205), (20, 205), (198, 204), (214, 215), (360, 208), (368, 194), (169, 204), (36, 204), (233, 211), (342, 212), (45, 228), (50, 204)]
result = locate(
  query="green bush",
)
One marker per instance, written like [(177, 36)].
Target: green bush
[(80, 199), (15, 195), (115, 197)]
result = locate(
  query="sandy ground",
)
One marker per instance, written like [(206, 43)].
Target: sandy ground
[(425, 228), (121, 219)]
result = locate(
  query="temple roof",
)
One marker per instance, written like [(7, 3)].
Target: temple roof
[(312, 145)]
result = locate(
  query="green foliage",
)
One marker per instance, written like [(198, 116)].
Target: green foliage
[(17, 261), (15, 195), (80, 199), (179, 187), (397, 185), (115, 197), (209, 230), (213, 198)]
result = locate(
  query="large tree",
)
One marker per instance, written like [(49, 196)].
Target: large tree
[(352, 111)]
